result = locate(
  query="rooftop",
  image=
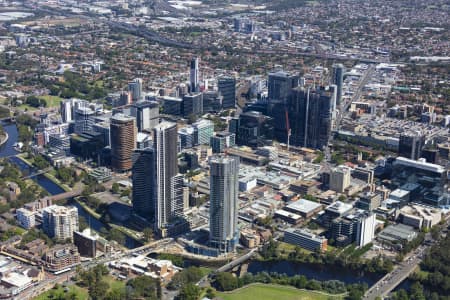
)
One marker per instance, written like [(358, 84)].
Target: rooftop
[(307, 234), (398, 231), (304, 205), (339, 207), (421, 164), (121, 118)]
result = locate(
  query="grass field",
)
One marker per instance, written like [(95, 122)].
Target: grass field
[(81, 294), (52, 101), (26, 107), (278, 292), (284, 249), (113, 283)]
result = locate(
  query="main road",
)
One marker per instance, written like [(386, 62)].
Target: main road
[(51, 280), (344, 107), (388, 283)]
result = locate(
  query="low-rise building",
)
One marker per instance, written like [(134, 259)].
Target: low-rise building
[(397, 234), (26, 218), (250, 238), (16, 282), (304, 208), (419, 216), (61, 257), (303, 187), (288, 216), (369, 201), (141, 265), (101, 174), (305, 239)]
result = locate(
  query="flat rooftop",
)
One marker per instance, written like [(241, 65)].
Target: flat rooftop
[(304, 206)]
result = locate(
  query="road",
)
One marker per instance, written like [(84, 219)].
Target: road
[(51, 280), (343, 109), (237, 261), (356, 95), (390, 281), (155, 36), (386, 284), (127, 27), (327, 56)]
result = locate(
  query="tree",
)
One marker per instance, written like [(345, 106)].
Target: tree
[(40, 162), (192, 118), (116, 294), (115, 188), (65, 174), (148, 234), (320, 157), (35, 101), (98, 290), (189, 292), (435, 231), (356, 291), (210, 293), (117, 235), (125, 193), (186, 276), (314, 285), (310, 198), (25, 134), (144, 286), (416, 292), (225, 281), (401, 295)]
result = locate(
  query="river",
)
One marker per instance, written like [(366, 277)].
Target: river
[(313, 271), (7, 150)]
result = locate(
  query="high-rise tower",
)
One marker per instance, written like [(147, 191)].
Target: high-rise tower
[(227, 88), (280, 85), (310, 114), (338, 79), (224, 191), (144, 183), (135, 88), (411, 144), (194, 77), (123, 141), (167, 184), (146, 114)]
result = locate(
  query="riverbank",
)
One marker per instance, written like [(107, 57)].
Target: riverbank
[(316, 271), (46, 175), (128, 232), (4, 138), (273, 291)]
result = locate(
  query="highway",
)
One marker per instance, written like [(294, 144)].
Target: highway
[(155, 36), (327, 56), (130, 28)]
